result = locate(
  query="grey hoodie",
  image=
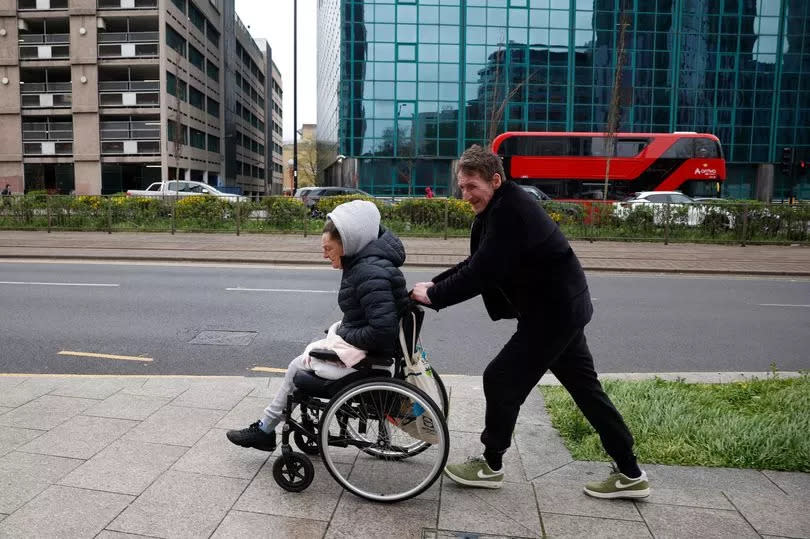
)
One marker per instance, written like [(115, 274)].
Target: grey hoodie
[(358, 223)]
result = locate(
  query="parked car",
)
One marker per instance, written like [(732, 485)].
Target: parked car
[(183, 189), (536, 193), (311, 197), (656, 202)]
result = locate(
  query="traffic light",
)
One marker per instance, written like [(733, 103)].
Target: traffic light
[(787, 161), (801, 168)]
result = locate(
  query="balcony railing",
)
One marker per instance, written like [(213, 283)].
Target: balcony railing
[(48, 148), (44, 52), (128, 50), (128, 37), (126, 4), (129, 99), (45, 87), (128, 86), (61, 131), (46, 100), (130, 147), (130, 130), (24, 5)]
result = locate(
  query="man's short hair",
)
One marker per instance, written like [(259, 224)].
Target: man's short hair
[(330, 228), (481, 161)]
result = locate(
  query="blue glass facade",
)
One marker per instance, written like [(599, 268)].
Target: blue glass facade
[(420, 80)]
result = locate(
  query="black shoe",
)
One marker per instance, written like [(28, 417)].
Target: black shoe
[(253, 437)]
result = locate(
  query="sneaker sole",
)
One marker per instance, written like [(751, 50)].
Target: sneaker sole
[(253, 446), (468, 483), (618, 494)]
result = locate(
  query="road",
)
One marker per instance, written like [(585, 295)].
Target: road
[(229, 319)]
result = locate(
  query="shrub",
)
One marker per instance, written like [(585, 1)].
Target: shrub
[(204, 211), (327, 204), (283, 212)]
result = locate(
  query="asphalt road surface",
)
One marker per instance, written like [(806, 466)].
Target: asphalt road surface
[(229, 319)]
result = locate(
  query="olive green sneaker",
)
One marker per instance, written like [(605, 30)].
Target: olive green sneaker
[(475, 472), (618, 485)]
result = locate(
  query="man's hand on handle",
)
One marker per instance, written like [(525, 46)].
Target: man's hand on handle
[(419, 292)]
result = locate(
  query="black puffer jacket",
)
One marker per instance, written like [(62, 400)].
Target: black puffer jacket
[(373, 294), (520, 263)]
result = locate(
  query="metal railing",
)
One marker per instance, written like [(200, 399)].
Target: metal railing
[(31, 39), (32, 52), (128, 86), (126, 4), (129, 131), (128, 37), (45, 87), (115, 50), (26, 5), (47, 131)]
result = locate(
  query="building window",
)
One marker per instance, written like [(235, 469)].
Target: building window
[(175, 40), (197, 138), (196, 98), (212, 70), (213, 107), (196, 57), (213, 144), (406, 52), (212, 34), (196, 17), (180, 4)]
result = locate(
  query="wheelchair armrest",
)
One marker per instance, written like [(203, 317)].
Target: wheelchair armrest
[(324, 354), (372, 360)]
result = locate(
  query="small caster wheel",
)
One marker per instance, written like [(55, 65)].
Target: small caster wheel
[(293, 472), (306, 444)]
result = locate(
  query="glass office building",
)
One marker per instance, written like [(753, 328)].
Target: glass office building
[(406, 85)]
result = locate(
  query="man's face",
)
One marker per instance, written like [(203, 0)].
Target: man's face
[(476, 190), (332, 249)]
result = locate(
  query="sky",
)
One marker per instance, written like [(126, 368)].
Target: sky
[(273, 21)]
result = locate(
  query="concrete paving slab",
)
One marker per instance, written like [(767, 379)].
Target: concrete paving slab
[(377, 475), (127, 406), (355, 517), (125, 467), (674, 521), (24, 475), (268, 391), (107, 534), (175, 425), (212, 396), (248, 411), (575, 527), (463, 387), (168, 388), (582, 471), (708, 498), (541, 450), (79, 437), (214, 454), (565, 497), (467, 444), (466, 415), (17, 394), (317, 502), (510, 510), (725, 479), (533, 411), (238, 524), (784, 515), (795, 483), (95, 388), (64, 512), (45, 412), (180, 504), (4, 409), (8, 382), (12, 438)]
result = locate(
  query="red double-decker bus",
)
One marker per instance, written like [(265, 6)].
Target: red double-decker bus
[(573, 165)]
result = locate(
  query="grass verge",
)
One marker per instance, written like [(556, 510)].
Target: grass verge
[(761, 424)]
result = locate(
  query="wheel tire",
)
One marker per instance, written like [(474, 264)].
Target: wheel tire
[(306, 444), (293, 472), (400, 387)]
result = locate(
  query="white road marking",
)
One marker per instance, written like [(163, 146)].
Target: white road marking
[(240, 289), (104, 356), (58, 284), (781, 305)]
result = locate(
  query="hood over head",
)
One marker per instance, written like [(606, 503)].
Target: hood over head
[(358, 223)]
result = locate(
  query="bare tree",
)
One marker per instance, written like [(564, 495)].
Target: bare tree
[(615, 98)]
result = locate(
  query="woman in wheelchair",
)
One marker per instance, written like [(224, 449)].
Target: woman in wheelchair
[(372, 297)]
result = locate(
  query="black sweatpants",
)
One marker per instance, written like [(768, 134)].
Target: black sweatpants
[(516, 370)]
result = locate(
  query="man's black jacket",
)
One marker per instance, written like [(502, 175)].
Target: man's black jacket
[(373, 294), (520, 263)]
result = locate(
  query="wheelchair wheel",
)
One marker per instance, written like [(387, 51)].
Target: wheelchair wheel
[(418, 445), (293, 472), (306, 444), (390, 418)]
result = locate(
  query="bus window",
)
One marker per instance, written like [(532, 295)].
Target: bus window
[(629, 148), (683, 148), (706, 148)]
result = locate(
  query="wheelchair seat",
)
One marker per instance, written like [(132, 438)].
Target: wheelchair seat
[(314, 386)]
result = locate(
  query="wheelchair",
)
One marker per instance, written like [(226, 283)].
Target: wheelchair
[(362, 426)]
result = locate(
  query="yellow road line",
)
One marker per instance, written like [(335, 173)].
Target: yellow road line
[(104, 356), (268, 369)]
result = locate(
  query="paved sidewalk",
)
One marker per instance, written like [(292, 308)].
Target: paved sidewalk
[(94, 456), (296, 249)]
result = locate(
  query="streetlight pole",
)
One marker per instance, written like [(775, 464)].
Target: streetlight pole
[(295, 95)]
